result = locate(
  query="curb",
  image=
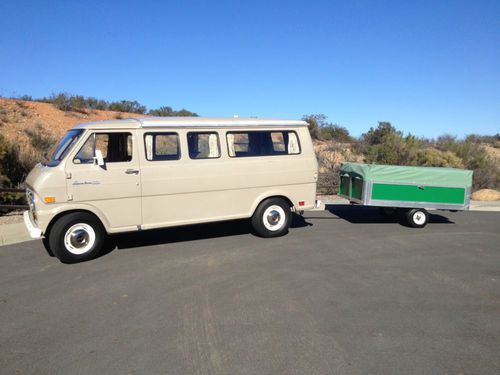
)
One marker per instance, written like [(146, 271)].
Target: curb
[(13, 233)]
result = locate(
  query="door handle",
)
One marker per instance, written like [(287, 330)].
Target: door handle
[(132, 171)]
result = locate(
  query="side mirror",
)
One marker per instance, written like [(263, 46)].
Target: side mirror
[(98, 159)]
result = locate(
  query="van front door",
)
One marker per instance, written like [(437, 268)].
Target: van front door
[(112, 188)]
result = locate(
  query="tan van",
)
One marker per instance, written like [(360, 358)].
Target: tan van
[(137, 174)]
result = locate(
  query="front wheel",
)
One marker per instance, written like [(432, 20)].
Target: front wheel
[(77, 237), (417, 217), (272, 218)]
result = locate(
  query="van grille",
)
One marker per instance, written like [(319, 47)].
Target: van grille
[(30, 199)]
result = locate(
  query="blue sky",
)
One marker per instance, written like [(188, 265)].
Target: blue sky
[(429, 67)]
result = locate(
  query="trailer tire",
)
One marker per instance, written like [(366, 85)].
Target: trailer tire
[(417, 217), (272, 218)]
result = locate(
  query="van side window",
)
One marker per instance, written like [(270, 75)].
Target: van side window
[(203, 145), (262, 143), (162, 146), (115, 148)]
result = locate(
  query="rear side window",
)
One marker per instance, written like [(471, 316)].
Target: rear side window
[(162, 146), (262, 143), (115, 148), (203, 145)]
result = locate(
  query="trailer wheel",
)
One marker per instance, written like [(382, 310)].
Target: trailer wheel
[(417, 217), (272, 218)]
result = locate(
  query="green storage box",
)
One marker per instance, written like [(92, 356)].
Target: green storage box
[(411, 187)]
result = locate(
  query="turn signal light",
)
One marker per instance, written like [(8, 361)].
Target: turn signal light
[(49, 199)]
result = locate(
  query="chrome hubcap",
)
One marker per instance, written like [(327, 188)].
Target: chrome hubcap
[(274, 218), (79, 238)]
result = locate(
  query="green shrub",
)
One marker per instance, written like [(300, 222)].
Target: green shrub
[(489, 139), (378, 135), (11, 198), (39, 139), (93, 103), (127, 106), (432, 157), (474, 156), (16, 164), (314, 122), (4, 148), (319, 128), (169, 112), (27, 98), (67, 102), (328, 182), (61, 101), (11, 173), (385, 145), (332, 132)]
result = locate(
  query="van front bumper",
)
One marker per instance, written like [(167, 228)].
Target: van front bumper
[(33, 230)]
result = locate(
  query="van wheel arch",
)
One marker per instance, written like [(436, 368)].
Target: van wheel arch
[(64, 213), (286, 199)]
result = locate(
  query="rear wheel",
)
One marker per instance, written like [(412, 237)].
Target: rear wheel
[(417, 217), (272, 218), (76, 237)]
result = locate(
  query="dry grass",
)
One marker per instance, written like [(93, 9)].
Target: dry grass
[(486, 195)]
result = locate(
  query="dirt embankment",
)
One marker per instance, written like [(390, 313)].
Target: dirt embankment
[(19, 116)]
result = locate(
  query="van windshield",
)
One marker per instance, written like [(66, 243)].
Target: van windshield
[(57, 153)]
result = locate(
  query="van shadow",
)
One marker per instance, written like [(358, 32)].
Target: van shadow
[(187, 233), (370, 215)]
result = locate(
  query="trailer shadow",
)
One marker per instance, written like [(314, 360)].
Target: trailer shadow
[(370, 215), (187, 233)]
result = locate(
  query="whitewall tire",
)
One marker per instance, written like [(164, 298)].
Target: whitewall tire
[(272, 218), (76, 237)]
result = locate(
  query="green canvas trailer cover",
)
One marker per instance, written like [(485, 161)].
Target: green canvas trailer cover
[(401, 186)]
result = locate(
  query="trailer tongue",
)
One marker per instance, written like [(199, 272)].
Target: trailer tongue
[(410, 190)]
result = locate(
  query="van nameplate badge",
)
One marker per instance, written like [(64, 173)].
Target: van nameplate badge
[(86, 183)]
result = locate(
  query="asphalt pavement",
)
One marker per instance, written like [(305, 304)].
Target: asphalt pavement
[(345, 292)]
